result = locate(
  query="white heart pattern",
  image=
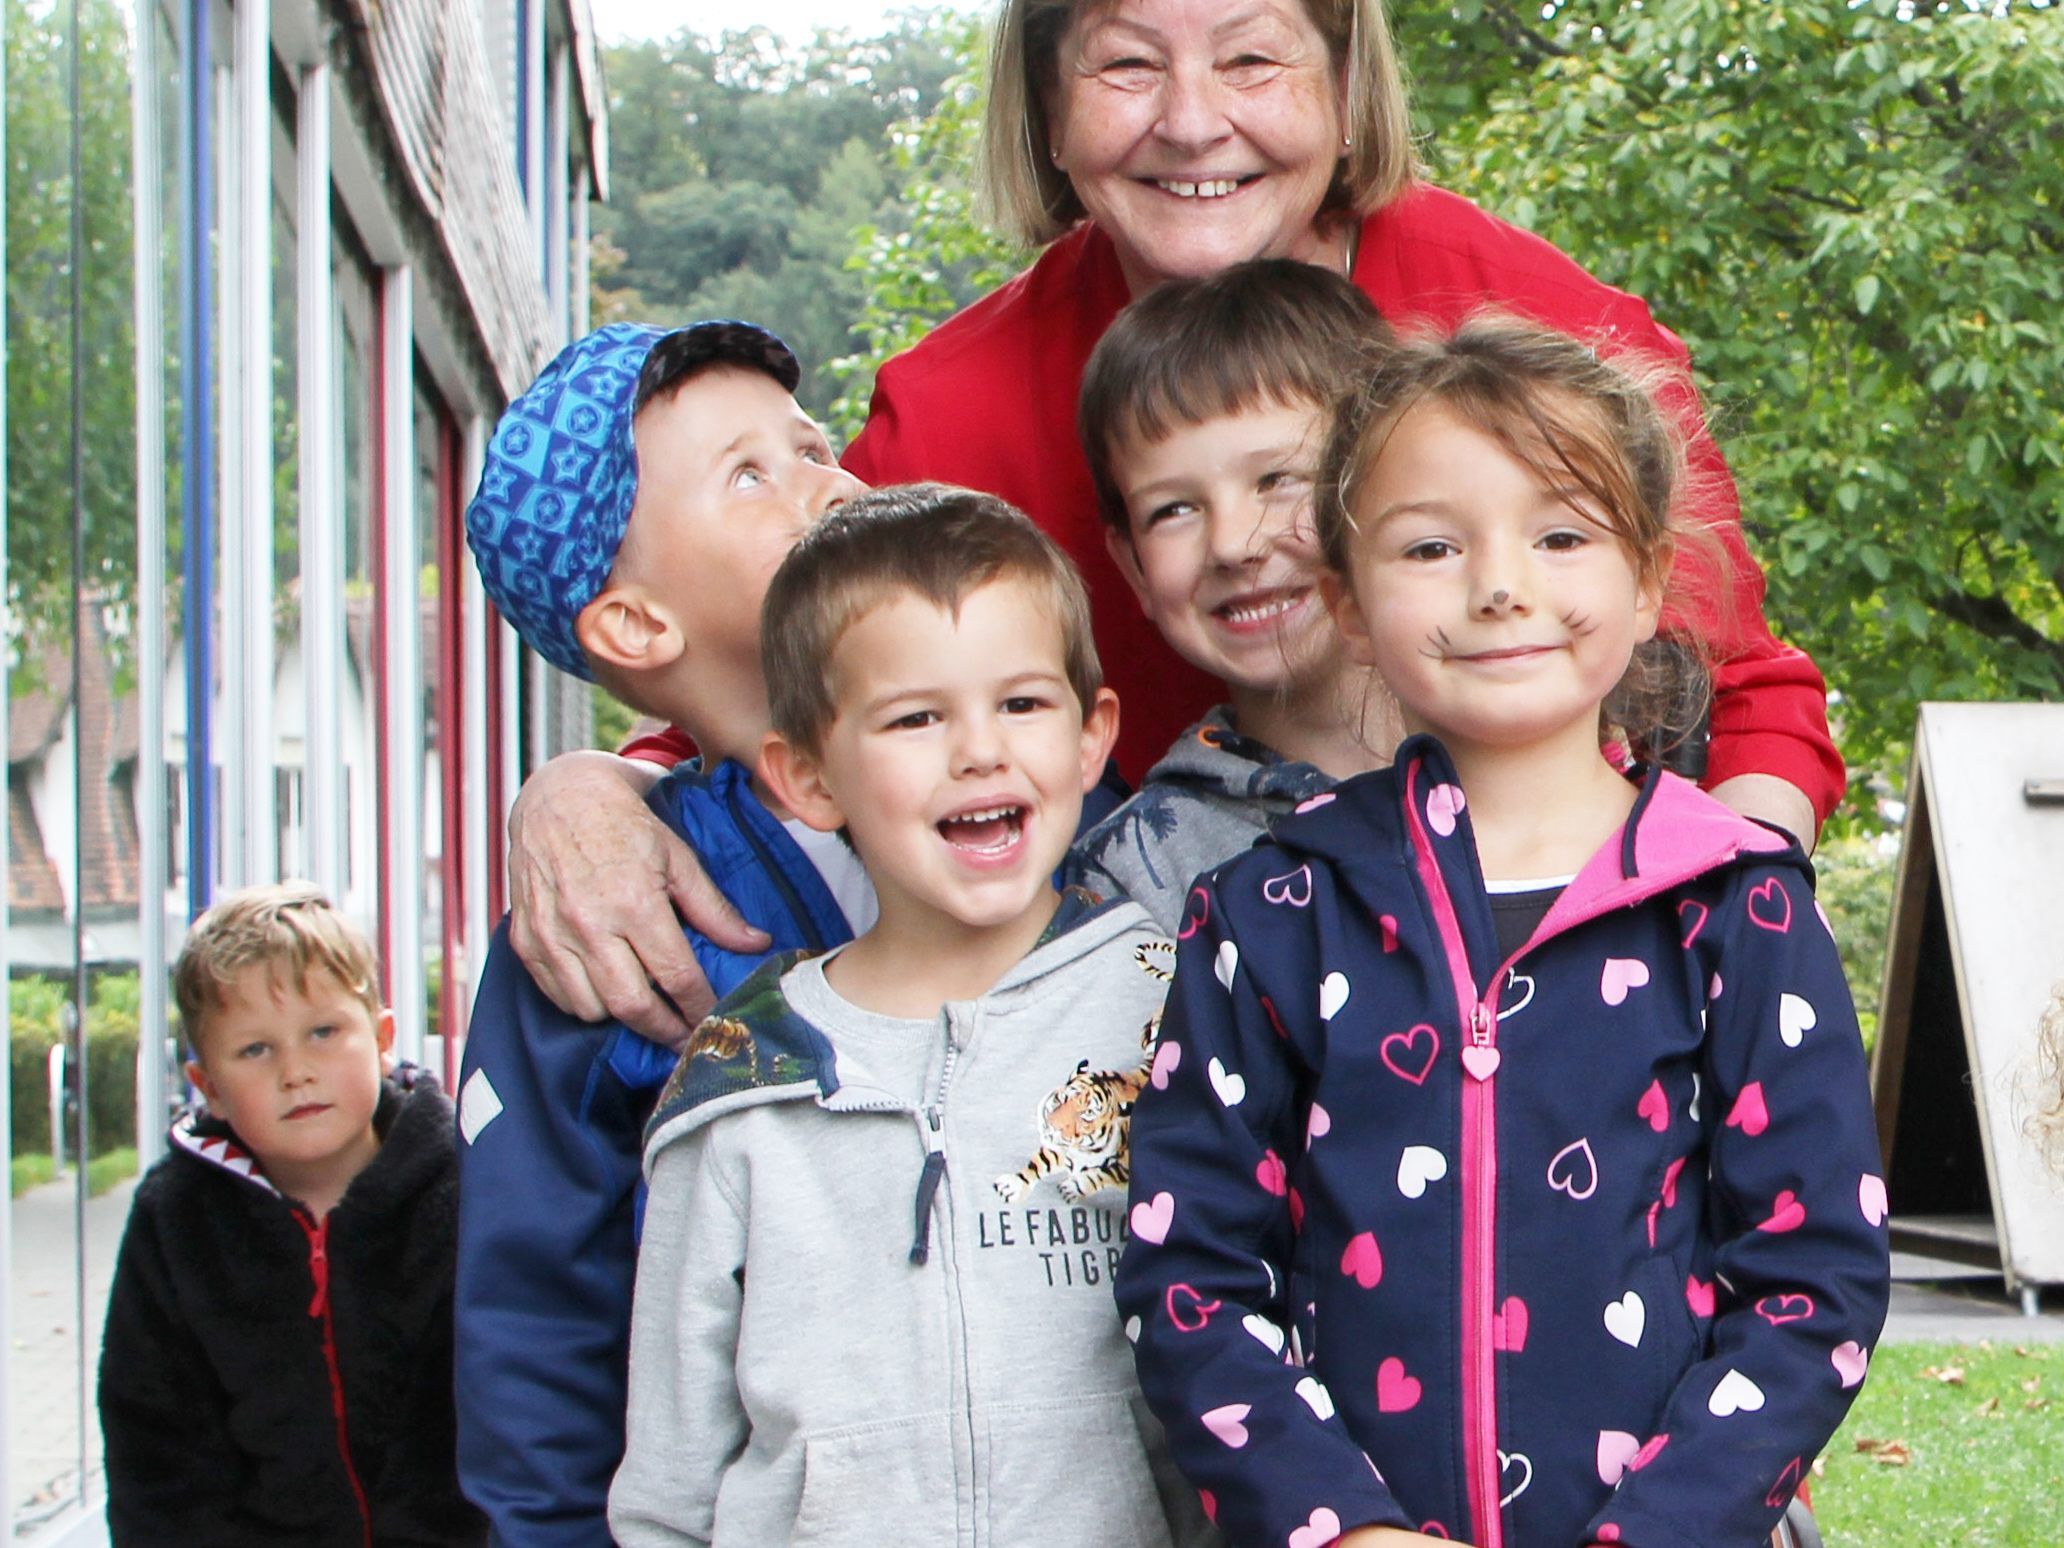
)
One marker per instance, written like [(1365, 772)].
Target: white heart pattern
[(1266, 1333), (1230, 1089), (1132, 1329), (1507, 1460), (1795, 1018), (1315, 1396), (1735, 1394), (1317, 1125), (1418, 1166), (1227, 963), (1332, 995), (1626, 1319), (1515, 981)]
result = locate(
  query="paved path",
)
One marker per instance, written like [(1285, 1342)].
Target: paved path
[(47, 1340), (1938, 1302)]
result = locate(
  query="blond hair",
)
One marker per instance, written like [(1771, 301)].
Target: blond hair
[(288, 928), (1031, 200), (934, 541)]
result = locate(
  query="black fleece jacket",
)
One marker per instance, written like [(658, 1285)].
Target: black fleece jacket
[(266, 1378)]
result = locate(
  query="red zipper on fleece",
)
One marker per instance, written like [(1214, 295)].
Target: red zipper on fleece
[(318, 1234), (1478, 1017)]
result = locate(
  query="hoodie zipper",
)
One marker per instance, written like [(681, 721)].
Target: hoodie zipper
[(318, 1234)]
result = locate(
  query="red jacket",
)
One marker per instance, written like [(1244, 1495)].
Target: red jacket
[(988, 400)]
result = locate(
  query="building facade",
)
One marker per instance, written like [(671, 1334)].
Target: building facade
[(356, 229)]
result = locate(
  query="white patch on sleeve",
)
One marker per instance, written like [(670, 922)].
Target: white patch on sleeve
[(479, 1105)]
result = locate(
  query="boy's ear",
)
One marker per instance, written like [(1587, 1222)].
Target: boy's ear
[(383, 1034), (797, 780), (627, 628), (197, 1074), (1120, 547), (1099, 733), (1347, 618)]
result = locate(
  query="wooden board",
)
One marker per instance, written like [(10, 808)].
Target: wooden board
[(1975, 951)]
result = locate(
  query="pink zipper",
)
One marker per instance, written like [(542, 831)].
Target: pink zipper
[(1479, 1018)]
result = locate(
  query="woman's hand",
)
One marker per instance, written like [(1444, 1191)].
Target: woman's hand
[(1382, 1537), (591, 871)]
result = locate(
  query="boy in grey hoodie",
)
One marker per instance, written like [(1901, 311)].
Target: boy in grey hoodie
[(887, 1184), (1203, 412)]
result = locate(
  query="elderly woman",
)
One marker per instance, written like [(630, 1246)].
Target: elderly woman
[(1138, 141)]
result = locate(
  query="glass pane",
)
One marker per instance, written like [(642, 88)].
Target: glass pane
[(430, 450), (74, 666)]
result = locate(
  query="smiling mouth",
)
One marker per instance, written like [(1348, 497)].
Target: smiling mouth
[(988, 830), (1207, 188), (1251, 610)]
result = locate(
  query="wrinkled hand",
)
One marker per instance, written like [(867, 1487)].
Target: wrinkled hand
[(591, 874)]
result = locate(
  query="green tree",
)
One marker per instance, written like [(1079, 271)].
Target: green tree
[(39, 362)]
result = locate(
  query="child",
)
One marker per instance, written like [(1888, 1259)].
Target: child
[(842, 1336), (1509, 1174), (279, 1334), (634, 503), (1202, 413)]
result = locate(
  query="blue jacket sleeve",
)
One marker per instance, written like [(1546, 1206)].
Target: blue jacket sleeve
[(1801, 1272), (1203, 1285), (550, 1137)]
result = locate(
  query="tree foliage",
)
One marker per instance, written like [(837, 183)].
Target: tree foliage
[(1853, 214), (39, 358), (741, 169)]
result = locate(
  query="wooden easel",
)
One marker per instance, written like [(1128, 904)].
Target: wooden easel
[(1976, 947)]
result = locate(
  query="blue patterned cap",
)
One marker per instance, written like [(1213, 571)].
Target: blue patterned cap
[(561, 472)]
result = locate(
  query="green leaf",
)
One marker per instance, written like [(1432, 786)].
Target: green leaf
[(1866, 293)]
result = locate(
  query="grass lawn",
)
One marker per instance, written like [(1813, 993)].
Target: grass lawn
[(1984, 1455), (102, 1172)]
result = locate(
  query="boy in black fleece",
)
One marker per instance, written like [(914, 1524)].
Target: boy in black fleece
[(277, 1359)]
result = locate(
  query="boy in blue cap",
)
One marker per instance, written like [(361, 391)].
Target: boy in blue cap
[(635, 501)]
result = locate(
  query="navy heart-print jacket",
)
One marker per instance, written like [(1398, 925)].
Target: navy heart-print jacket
[(1586, 1246)]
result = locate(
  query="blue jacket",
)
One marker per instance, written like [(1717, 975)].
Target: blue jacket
[(1586, 1245), (552, 1111)]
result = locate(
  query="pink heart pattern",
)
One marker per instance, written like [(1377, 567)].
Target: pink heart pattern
[(1786, 1214), (1228, 1423), (1481, 1061), (1166, 1058), (1654, 1106), (1777, 1310), (1698, 1295), (1870, 1198), (1151, 1218), (1692, 914), (1319, 1529), (1270, 1172), (1444, 803), (1396, 1392), (1509, 1326), (1574, 1170), (1850, 1360), (1386, 925), (1622, 975), (1197, 915), (1770, 906), (1409, 1055), (1363, 1259), (1748, 1113)]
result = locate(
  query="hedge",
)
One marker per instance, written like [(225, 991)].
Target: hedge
[(34, 1008)]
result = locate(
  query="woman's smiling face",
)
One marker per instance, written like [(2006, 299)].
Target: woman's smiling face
[(1198, 133)]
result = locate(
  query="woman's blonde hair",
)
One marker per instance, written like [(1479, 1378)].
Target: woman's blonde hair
[(1032, 201)]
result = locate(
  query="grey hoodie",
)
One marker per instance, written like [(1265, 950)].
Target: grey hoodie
[(1211, 796), (874, 1299)]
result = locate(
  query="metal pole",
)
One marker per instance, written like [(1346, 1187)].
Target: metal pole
[(76, 1036), (197, 448), (322, 528)]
